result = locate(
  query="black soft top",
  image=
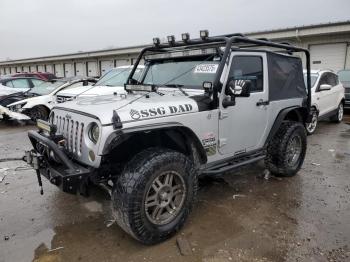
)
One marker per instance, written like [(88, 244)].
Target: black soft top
[(286, 78)]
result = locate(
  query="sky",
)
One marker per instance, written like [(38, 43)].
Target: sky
[(32, 28)]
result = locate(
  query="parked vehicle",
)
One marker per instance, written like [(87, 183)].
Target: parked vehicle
[(327, 100), (201, 108), (5, 76), (110, 83), (38, 102), (344, 77), (39, 75), (13, 85)]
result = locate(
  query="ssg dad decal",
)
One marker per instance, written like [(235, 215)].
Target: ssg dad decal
[(160, 111)]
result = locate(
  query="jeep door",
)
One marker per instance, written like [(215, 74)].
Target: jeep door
[(242, 127)]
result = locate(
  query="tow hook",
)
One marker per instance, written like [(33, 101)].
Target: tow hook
[(34, 160)]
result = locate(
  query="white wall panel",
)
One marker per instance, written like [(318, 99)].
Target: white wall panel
[(49, 69), (92, 68), (106, 65), (328, 56), (59, 72), (68, 70), (80, 69)]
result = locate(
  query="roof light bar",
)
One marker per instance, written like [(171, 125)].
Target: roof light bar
[(185, 37), (197, 52), (204, 34)]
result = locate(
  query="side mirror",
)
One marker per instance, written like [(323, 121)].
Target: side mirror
[(239, 88), (325, 87)]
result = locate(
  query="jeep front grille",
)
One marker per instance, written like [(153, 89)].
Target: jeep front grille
[(72, 131), (61, 99)]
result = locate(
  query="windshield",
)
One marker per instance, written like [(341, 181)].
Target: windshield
[(181, 73), (313, 79), (117, 77), (46, 87)]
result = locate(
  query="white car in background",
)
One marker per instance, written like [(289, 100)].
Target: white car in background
[(42, 98), (110, 83), (327, 99)]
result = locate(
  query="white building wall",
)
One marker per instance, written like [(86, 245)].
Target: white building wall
[(92, 62)]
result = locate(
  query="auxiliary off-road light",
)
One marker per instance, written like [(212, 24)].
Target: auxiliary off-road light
[(171, 39), (147, 88), (207, 85), (185, 37), (45, 126), (156, 41), (204, 34)]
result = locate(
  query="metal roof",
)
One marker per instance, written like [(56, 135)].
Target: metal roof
[(283, 33)]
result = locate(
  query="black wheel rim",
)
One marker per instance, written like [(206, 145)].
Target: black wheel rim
[(294, 150), (165, 198)]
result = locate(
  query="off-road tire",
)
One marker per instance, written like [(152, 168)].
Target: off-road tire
[(277, 150), (130, 190), (38, 112), (338, 116)]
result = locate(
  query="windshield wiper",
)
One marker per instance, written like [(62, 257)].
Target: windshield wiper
[(177, 86), (33, 94)]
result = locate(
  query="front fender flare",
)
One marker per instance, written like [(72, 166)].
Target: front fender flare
[(119, 136)]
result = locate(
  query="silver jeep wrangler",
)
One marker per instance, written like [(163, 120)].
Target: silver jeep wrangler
[(202, 107)]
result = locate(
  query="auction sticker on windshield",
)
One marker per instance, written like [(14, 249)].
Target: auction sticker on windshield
[(206, 68)]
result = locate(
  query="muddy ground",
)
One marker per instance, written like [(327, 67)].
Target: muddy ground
[(238, 217)]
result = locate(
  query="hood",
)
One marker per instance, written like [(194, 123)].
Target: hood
[(32, 101), (136, 107), (7, 90), (92, 91)]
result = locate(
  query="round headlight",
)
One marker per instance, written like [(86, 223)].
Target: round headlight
[(94, 132)]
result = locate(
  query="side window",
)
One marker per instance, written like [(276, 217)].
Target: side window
[(20, 83), (333, 79), (325, 79), (37, 82), (8, 83), (248, 68)]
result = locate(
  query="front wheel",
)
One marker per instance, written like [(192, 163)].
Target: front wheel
[(154, 195), (38, 112), (286, 152), (338, 117)]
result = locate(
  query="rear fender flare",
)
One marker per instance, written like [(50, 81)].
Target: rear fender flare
[(279, 119)]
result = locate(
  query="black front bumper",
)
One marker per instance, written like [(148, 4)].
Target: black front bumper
[(51, 161)]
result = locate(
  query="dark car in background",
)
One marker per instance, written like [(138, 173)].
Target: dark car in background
[(344, 77), (39, 75)]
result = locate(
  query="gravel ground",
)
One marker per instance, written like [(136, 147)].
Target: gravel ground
[(242, 216)]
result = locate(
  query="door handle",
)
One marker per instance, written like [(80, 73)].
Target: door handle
[(262, 103)]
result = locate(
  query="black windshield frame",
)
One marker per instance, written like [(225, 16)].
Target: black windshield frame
[(227, 41)]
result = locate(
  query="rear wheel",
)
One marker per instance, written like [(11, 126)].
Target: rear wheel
[(338, 117), (154, 194), (311, 127), (286, 151)]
